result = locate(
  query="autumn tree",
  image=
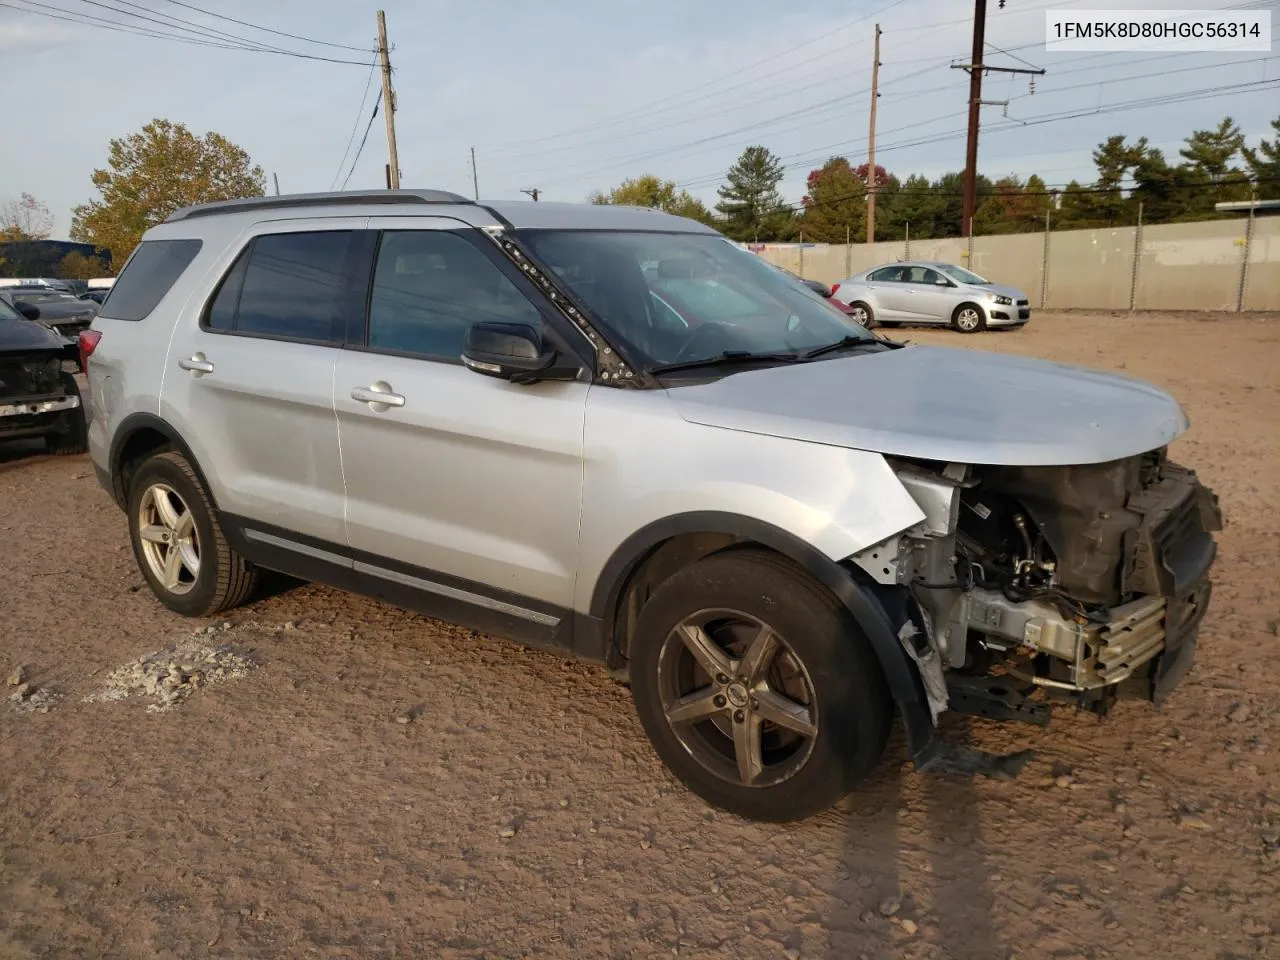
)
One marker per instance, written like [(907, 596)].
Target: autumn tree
[(750, 202), (24, 219), (1264, 165), (651, 191), (76, 266), (835, 207), (155, 172)]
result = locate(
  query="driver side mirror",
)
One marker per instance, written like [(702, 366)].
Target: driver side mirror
[(943, 282), (512, 351), (28, 310)]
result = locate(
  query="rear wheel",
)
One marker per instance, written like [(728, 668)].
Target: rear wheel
[(755, 687), (73, 438), (968, 318), (178, 543), (862, 313)]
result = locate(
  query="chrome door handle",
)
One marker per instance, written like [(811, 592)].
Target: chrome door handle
[(377, 395), (196, 364)]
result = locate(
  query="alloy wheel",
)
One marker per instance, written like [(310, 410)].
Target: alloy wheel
[(737, 697), (169, 538), (968, 319)]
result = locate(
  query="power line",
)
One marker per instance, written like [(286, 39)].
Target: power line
[(278, 33), (194, 34), (356, 125), (363, 141), (683, 94), (820, 152), (650, 108), (1185, 97), (85, 19), (174, 23)]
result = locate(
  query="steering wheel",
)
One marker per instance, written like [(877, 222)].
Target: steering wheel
[(699, 342)]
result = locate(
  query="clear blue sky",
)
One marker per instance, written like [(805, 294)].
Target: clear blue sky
[(572, 96)]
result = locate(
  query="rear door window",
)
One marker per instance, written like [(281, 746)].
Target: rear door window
[(289, 286), (150, 273)]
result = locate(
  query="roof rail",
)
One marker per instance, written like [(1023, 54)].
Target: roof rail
[(344, 198)]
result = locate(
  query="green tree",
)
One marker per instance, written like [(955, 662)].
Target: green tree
[(153, 173), (651, 191), (889, 224), (1264, 165), (24, 219), (916, 209), (1013, 206), (836, 205), (1209, 152), (1075, 210), (1168, 193), (750, 203), (1208, 158)]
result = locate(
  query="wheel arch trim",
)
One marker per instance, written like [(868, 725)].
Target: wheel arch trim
[(130, 427)]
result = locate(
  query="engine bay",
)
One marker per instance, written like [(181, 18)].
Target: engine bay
[(1080, 582)]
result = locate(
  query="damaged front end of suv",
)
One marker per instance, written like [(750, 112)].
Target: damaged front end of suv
[(1028, 585)]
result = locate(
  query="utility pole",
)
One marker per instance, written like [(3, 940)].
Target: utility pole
[(871, 140), (533, 193), (475, 179), (975, 108), (976, 69), (388, 105), (276, 177)]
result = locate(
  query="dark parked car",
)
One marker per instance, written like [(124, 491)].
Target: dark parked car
[(38, 398), (97, 296), (63, 313)]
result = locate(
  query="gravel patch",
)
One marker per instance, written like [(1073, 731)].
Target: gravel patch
[(171, 676)]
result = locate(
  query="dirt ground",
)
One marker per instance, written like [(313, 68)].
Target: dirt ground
[(375, 784)]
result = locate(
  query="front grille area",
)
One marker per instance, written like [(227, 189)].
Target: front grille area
[(29, 378), (1024, 303)]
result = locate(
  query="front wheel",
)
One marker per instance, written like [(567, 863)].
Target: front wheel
[(756, 688), (968, 318)]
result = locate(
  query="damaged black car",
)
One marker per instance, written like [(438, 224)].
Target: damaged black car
[(39, 395)]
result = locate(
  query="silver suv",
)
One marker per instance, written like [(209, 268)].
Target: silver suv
[(606, 431)]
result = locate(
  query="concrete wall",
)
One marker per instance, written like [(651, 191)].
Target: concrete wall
[(1180, 266)]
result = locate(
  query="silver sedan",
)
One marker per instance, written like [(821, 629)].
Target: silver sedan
[(924, 291)]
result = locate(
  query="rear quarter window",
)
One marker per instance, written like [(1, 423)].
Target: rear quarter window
[(150, 273)]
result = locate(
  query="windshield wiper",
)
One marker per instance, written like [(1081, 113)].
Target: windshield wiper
[(722, 359), (842, 343)]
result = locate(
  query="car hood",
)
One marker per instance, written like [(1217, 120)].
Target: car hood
[(944, 404), (1000, 288), (25, 335)]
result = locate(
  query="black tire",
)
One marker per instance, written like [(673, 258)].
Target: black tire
[(959, 312), (74, 437), (870, 323), (849, 702), (224, 579)]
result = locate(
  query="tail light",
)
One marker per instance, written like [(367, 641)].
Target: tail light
[(88, 342), (834, 288)]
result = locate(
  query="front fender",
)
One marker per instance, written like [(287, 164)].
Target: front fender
[(649, 475), (644, 464)]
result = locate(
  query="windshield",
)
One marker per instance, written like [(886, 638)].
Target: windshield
[(679, 297), (960, 274)]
